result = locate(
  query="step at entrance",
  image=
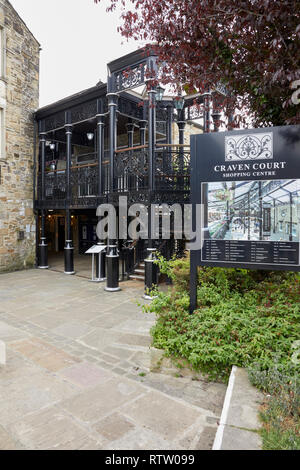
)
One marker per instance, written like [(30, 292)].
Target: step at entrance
[(139, 273)]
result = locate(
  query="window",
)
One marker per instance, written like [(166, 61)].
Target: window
[(280, 226)]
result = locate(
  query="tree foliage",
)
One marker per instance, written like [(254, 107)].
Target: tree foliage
[(253, 46)]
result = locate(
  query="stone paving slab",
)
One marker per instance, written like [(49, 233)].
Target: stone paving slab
[(78, 372), (7, 442), (53, 429), (44, 355), (9, 333), (86, 374)]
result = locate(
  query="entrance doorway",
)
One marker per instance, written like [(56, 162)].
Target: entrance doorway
[(61, 233)]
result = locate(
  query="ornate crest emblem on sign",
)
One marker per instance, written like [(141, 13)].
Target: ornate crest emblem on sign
[(249, 147)]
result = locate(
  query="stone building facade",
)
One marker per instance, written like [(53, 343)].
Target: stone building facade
[(19, 96)]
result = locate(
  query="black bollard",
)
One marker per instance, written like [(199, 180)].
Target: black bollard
[(43, 254), (112, 266), (151, 273), (69, 258)]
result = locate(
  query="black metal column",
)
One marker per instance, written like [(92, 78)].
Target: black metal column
[(143, 127), (152, 138), (216, 115), (100, 145), (181, 127), (69, 249), (43, 246), (207, 111), (112, 257), (169, 139), (130, 133), (151, 269), (101, 257)]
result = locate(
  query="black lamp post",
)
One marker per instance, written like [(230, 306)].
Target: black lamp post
[(43, 246), (160, 91), (69, 249), (112, 257)]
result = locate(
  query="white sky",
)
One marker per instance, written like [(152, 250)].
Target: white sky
[(78, 39)]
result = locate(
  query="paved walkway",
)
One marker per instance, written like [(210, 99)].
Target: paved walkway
[(82, 264), (75, 369)]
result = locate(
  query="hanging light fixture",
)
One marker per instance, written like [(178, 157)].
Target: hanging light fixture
[(90, 136), (179, 102), (160, 91), (52, 146)]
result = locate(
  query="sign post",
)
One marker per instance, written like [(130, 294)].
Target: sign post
[(248, 185)]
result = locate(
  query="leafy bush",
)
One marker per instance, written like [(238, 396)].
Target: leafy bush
[(242, 317)]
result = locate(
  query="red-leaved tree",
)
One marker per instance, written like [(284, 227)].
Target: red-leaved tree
[(252, 46)]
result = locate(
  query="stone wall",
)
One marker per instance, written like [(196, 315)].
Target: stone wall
[(19, 95)]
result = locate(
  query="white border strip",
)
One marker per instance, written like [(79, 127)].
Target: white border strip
[(223, 420)]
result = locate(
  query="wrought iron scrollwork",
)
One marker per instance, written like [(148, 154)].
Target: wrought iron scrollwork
[(131, 170), (134, 162), (130, 108), (195, 111), (55, 186), (84, 111), (56, 121), (172, 169), (84, 185), (249, 147), (130, 78)]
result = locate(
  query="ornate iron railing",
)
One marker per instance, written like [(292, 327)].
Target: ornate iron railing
[(55, 186), (172, 168), (131, 170), (84, 184)]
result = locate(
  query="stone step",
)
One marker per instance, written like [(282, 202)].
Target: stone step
[(139, 271), (136, 276), (239, 422)]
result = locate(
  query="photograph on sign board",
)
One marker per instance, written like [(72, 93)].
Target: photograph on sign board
[(252, 210)]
